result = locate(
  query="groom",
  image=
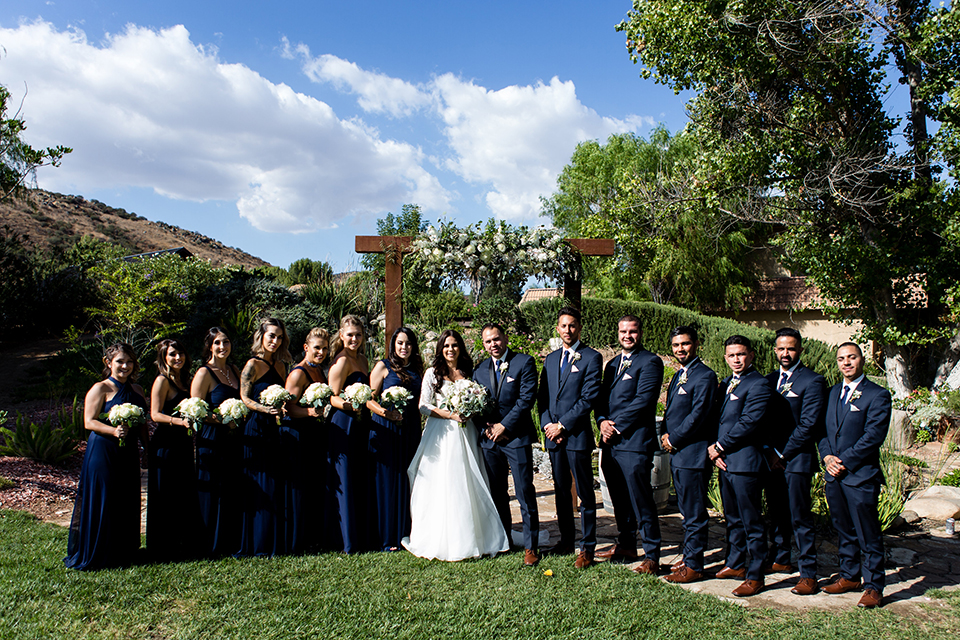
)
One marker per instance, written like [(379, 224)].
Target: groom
[(511, 382)]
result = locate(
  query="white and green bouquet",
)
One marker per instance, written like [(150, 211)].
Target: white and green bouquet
[(126, 414), (275, 396), (357, 394), (395, 398), (195, 410), (231, 411), (316, 395), (465, 397)]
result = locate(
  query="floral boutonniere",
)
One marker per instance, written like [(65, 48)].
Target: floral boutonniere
[(854, 395), (682, 380), (502, 368), (734, 383), (575, 356), (785, 389)]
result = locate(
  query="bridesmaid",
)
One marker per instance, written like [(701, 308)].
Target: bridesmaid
[(218, 449), (304, 449), (347, 446), (105, 527), (394, 438), (262, 531), (173, 509)]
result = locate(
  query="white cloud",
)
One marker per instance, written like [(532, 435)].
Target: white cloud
[(150, 108)]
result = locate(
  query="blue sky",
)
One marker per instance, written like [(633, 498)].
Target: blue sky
[(286, 129)]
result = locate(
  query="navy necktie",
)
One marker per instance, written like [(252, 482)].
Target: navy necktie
[(565, 361), (783, 380), (496, 369), (843, 399)]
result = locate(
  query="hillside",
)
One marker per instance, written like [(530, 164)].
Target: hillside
[(52, 221)]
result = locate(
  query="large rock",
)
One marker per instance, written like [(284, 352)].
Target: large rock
[(939, 491), (933, 508)]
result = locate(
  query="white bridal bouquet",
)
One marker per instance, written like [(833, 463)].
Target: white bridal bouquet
[(195, 410), (395, 398), (127, 414), (357, 394), (275, 396), (231, 411), (316, 395), (465, 397)]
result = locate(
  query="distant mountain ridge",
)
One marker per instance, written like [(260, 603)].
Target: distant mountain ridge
[(54, 221)]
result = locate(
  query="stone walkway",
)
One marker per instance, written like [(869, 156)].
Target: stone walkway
[(916, 561)]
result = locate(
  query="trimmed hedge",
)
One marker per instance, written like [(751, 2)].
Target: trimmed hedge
[(600, 318)]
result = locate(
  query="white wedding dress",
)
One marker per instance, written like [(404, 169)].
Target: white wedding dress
[(450, 505)]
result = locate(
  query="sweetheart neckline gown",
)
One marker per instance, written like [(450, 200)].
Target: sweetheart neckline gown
[(453, 514), (105, 526), (304, 461)]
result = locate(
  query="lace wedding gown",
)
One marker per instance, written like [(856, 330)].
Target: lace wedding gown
[(453, 514)]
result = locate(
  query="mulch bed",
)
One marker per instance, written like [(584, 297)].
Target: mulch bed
[(45, 491)]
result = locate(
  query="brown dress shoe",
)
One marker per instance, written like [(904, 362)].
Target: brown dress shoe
[(648, 567), (776, 567), (584, 560), (676, 565), (871, 598), (616, 552), (530, 558), (806, 587), (684, 575), (734, 574), (841, 585), (748, 588)]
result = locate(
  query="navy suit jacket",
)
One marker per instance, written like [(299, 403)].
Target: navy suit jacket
[(512, 400), (855, 431), (799, 418), (689, 416), (742, 423), (568, 399), (630, 400)]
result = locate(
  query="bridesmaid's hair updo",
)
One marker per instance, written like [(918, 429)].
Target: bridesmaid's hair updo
[(208, 339), (348, 321), (283, 353), (111, 353), (181, 379), (318, 333), (414, 362), (440, 368)]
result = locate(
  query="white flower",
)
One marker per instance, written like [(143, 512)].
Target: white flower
[(195, 410), (504, 367), (682, 380), (274, 396), (785, 389), (734, 382), (395, 398), (854, 395), (464, 397), (316, 395), (357, 394), (232, 411), (575, 356), (126, 414)]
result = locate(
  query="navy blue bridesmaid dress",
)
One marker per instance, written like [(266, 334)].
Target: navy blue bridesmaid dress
[(218, 477), (346, 512), (173, 509), (105, 527), (262, 533), (305, 467), (391, 447)]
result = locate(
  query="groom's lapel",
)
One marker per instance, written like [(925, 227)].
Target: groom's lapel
[(566, 373), (503, 376)]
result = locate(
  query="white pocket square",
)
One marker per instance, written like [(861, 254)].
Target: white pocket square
[(681, 391), (626, 376), (573, 368), (509, 379), (733, 397), (854, 407), (791, 394)]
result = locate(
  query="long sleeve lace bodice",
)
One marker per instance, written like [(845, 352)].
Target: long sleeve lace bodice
[(428, 398)]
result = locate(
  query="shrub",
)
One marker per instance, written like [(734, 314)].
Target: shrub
[(6, 483), (501, 310), (41, 442), (439, 310)]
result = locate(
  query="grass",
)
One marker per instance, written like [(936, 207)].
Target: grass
[(383, 596), (6, 483)]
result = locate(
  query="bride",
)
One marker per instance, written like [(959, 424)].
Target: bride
[(453, 514)]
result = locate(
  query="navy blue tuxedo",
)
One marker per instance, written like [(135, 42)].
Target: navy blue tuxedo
[(798, 408), (688, 420), (741, 435), (567, 398), (855, 430), (628, 397), (512, 399)]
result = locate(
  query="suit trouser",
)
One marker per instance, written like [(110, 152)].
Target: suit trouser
[(520, 462), (854, 514), (788, 503), (580, 463), (628, 480), (691, 487), (746, 530)]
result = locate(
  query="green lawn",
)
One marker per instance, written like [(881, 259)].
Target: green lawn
[(383, 596)]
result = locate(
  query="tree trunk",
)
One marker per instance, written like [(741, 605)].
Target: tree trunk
[(948, 373), (896, 363)]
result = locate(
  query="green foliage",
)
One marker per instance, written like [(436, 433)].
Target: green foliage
[(307, 271), (656, 321), (893, 492), (42, 442), (70, 419), (713, 491), (501, 310), (6, 483), (18, 160), (436, 311), (951, 479)]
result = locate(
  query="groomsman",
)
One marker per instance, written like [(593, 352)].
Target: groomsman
[(858, 417), (799, 406), (738, 453), (511, 381), (569, 385), (626, 414), (688, 428)]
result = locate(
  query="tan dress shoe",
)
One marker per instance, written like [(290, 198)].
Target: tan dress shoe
[(871, 598), (584, 560), (530, 558), (776, 567), (748, 588), (684, 575), (806, 587), (676, 565), (733, 574), (648, 567), (841, 585)]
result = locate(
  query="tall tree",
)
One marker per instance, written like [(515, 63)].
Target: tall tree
[(18, 160), (791, 123)]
